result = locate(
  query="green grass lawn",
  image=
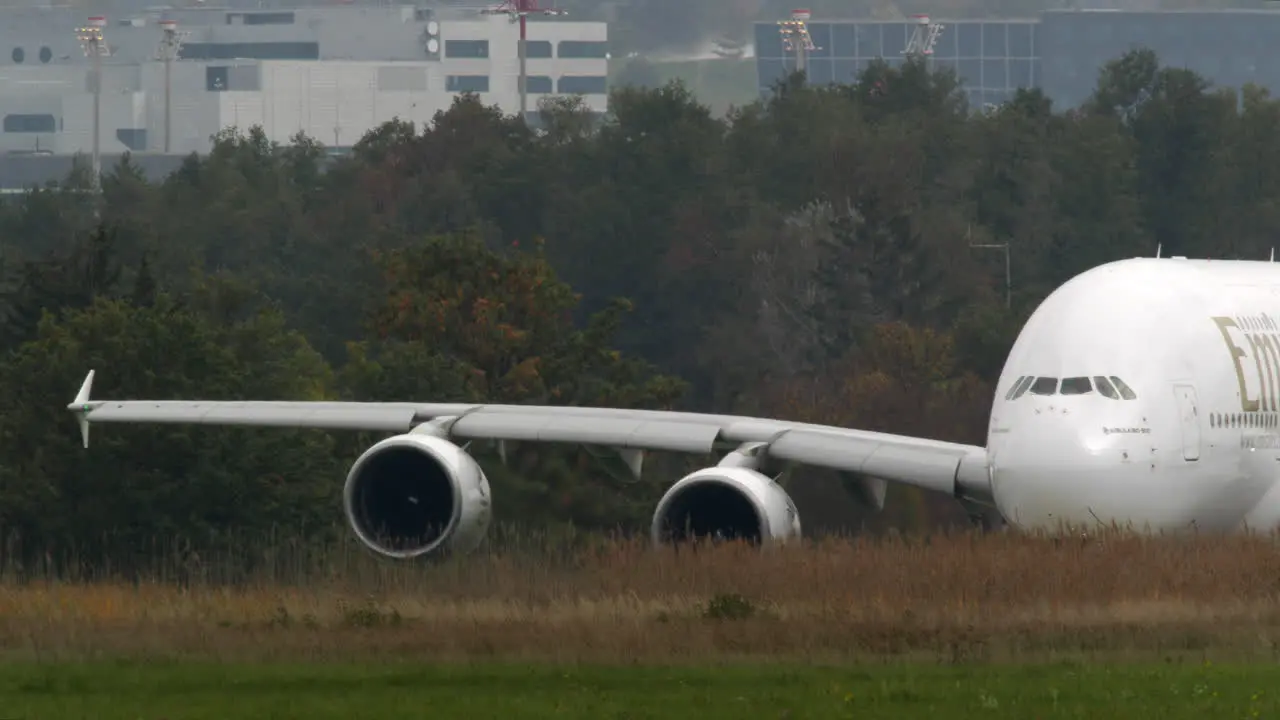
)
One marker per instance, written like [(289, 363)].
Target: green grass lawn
[(173, 691)]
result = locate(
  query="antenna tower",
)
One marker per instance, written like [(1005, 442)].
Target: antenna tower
[(519, 11), (923, 37), (796, 39)]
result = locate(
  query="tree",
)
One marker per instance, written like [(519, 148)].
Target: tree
[(1179, 129), (461, 322), (904, 380), (70, 279), (807, 255), (646, 212), (203, 490)]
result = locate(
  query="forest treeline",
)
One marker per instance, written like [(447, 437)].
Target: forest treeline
[(809, 257)]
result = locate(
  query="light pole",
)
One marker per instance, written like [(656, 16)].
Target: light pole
[(924, 37), (170, 44), (1008, 270), (94, 46), (796, 39)]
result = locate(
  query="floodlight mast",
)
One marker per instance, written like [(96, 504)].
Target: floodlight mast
[(519, 10), (796, 39), (94, 45), (923, 37), (170, 45)]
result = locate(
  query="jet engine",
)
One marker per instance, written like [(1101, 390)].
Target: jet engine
[(417, 495), (726, 503)]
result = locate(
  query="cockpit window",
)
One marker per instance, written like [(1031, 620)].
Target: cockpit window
[(1125, 391), (1076, 386), (1044, 386), (1105, 387), (1109, 386), (1021, 388)]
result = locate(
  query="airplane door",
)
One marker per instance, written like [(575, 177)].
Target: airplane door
[(1189, 415)]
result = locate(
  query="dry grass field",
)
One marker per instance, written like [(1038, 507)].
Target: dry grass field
[(949, 627), (951, 599)]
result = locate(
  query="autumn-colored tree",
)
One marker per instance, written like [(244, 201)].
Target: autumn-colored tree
[(901, 380), (508, 320), (462, 322)]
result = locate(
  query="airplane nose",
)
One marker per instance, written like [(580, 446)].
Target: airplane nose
[(1051, 469), (1056, 467)]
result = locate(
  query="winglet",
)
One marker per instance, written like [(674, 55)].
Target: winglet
[(81, 407)]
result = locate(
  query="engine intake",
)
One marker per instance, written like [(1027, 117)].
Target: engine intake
[(726, 503), (417, 495)]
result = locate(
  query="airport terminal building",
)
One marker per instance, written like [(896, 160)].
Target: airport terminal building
[(332, 72), (1060, 52)]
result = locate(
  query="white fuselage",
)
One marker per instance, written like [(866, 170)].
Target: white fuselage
[(1195, 345)]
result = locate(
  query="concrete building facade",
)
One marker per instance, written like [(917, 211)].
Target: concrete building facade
[(332, 73)]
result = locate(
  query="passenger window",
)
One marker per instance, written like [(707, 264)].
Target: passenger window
[(1076, 386), (1105, 387), (1125, 391), (1044, 386), (1014, 387)]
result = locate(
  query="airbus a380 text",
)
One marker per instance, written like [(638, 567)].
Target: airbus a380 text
[(1143, 393)]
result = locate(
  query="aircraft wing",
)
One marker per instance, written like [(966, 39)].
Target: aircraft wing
[(945, 467)]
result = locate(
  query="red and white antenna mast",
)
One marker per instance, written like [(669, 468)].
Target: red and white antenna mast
[(795, 37), (923, 37), (520, 10)]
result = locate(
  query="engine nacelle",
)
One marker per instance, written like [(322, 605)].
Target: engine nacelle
[(726, 503), (415, 495)]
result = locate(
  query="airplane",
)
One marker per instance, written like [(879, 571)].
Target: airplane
[(1143, 393)]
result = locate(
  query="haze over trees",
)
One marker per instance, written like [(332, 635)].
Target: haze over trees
[(808, 257)]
